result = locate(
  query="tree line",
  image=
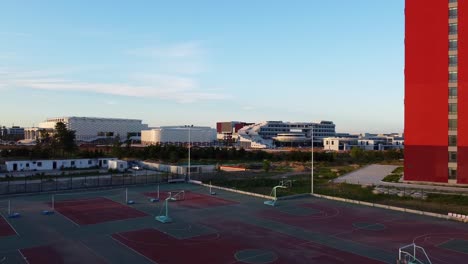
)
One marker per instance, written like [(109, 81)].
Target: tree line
[(62, 145)]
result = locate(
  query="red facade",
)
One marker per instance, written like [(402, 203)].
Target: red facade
[(462, 92), (426, 90)]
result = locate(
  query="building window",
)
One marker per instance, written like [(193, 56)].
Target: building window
[(453, 60), (452, 140), (453, 12), (453, 76), (453, 28), (453, 124), (73, 163), (452, 173), (452, 108), (39, 164), (453, 92), (452, 156)]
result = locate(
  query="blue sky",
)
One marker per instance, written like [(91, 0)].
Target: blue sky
[(198, 62)]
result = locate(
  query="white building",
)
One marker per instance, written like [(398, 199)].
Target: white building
[(338, 143), (269, 134), (179, 135), (92, 128), (43, 165), (119, 165), (365, 141), (180, 169)]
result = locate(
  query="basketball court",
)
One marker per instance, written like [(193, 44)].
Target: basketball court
[(120, 226)]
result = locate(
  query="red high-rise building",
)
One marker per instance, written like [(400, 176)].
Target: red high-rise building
[(436, 91)]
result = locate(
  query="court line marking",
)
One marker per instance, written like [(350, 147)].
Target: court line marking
[(75, 223), (138, 253), (12, 227), (93, 252), (24, 258), (364, 227), (255, 256)]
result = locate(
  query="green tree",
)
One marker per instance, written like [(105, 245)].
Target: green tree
[(266, 165), (64, 138), (357, 154), (117, 150)]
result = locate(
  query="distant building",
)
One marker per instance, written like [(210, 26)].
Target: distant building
[(179, 135), (227, 131), (91, 128), (364, 141), (33, 134), (270, 134), (339, 143), (13, 133)]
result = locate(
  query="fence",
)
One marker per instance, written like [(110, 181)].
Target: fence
[(39, 184), (410, 198)]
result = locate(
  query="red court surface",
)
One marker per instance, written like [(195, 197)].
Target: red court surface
[(327, 219), (393, 229), (5, 228), (95, 210), (194, 200), (63, 252), (235, 242)]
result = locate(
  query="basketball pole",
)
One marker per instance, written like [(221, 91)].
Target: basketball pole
[(53, 202), (312, 160), (158, 191), (126, 195), (9, 207)]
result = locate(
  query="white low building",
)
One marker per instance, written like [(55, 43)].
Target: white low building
[(365, 142), (92, 128), (336, 143), (44, 165), (179, 169), (179, 135), (118, 165)]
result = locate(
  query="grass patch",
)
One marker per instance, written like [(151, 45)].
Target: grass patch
[(392, 178), (395, 176)]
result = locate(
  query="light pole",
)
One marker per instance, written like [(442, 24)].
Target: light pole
[(312, 160), (189, 139)]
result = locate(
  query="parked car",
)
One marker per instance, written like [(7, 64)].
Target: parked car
[(136, 167)]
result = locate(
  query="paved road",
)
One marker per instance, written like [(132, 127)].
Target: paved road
[(373, 175), (370, 175)]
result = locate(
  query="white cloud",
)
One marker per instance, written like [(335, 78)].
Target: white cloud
[(166, 87), (177, 82)]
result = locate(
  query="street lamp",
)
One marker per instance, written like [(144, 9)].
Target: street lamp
[(312, 160), (189, 145)]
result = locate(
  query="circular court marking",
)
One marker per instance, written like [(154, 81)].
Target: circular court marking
[(369, 226), (256, 256)]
